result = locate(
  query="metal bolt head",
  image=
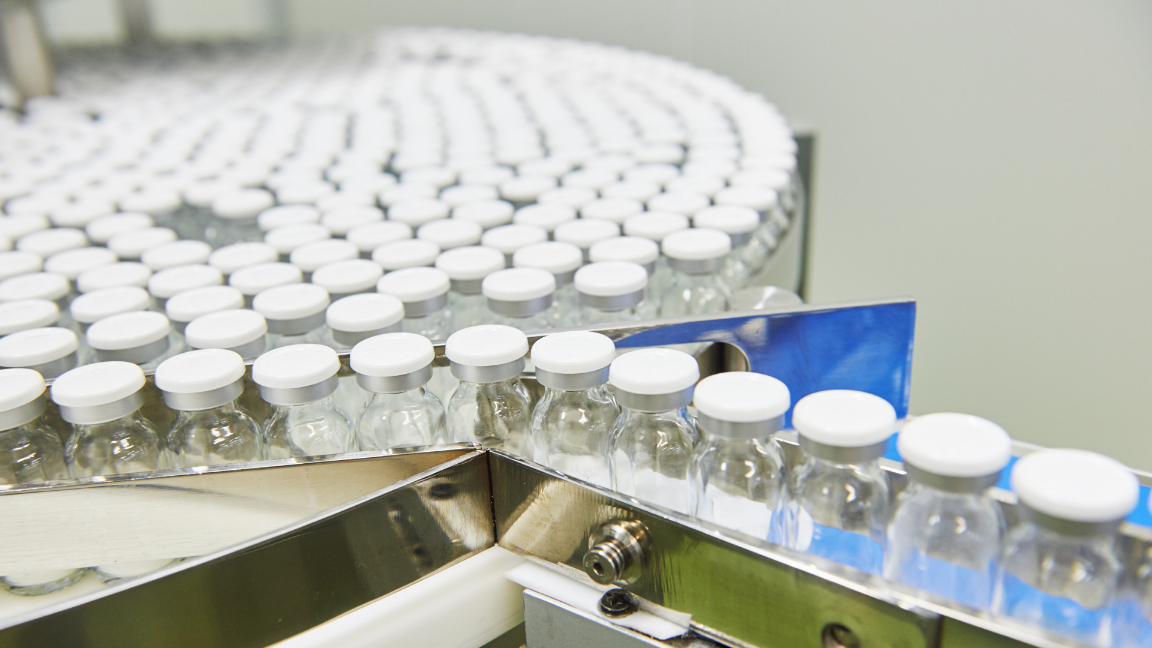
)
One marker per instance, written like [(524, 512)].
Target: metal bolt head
[(618, 603)]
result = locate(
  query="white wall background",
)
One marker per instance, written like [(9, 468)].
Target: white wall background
[(992, 158)]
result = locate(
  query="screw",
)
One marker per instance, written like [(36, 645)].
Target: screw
[(835, 635), (618, 603)]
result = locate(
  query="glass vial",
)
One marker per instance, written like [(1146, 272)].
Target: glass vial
[(139, 337), (562, 260), (749, 254), (298, 381), (234, 216), (946, 532), (520, 297), (695, 256), (401, 413), (49, 351), (296, 314), (24, 314), (838, 495), (89, 308), (310, 257), (350, 277), (491, 406), (240, 330), (584, 232), (210, 428), (424, 292), (612, 292), (653, 437), (352, 320), (572, 424), (1060, 569), (738, 473), (509, 238), (467, 267), (187, 306)]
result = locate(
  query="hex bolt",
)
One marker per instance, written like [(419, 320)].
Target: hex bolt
[(618, 603)]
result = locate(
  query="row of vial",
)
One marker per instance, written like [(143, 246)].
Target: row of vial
[(622, 422)]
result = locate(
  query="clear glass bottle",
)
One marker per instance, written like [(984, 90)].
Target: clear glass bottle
[(41, 285), (310, 257), (450, 233), (738, 472), (1060, 569), (774, 219), (695, 288), (410, 253), (140, 337), (467, 267), (749, 254), (30, 452), (351, 277), (176, 253), (296, 314), (130, 245), (485, 213), (838, 496), (231, 258), (401, 413), (352, 320), (491, 406), (520, 297), (298, 381), (611, 292), (70, 264), (946, 532), (584, 232), (236, 329), (187, 306), (113, 275), (424, 292), (89, 308), (169, 282), (547, 216), (255, 279), (572, 424), (1139, 630), (562, 260), (369, 236), (235, 216), (24, 314), (653, 437), (510, 238), (634, 249)]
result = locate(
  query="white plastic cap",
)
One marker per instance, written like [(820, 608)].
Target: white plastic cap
[(509, 238), (487, 345), (758, 198), (369, 236), (397, 194), (71, 263), (191, 304), (1075, 485), (655, 225), (742, 397), (24, 314), (258, 278), (130, 245), (391, 354), (417, 212), (292, 367), (176, 253), (625, 248), (98, 304), (654, 371), (128, 330), (173, 281), (152, 200), (36, 346), (123, 273), (225, 329), (282, 215), (470, 263), (15, 227), (346, 199), (555, 257), (311, 256), (194, 372), (730, 219), (433, 175), (464, 194), (406, 254), (81, 213), (104, 228), (844, 418), (705, 184), (291, 301), (955, 445), (548, 216), (518, 284), (612, 209), (50, 241), (611, 278), (303, 191), (19, 387), (203, 192), (343, 220), (36, 285), (242, 203), (589, 178), (97, 384), (573, 352), (487, 213), (584, 232), (488, 174), (449, 233), (637, 189), (346, 277), (289, 237), (414, 284), (231, 258), (13, 264), (526, 188), (686, 203), (367, 312), (696, 244)]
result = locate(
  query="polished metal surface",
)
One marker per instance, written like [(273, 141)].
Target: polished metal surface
[(549, 623), (617, 553), (26, 49), (763, 298)]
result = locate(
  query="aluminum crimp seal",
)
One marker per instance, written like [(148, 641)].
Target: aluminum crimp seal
[(740, 239), (395, 384), (565, 278), (520, 308), (250, 350), (352, 338), (300, 395), (842, 454), (655, 403), (612, 302), (739, 430), (1070, 527), (487, 374), (198, 401), (572, 382), (298, 326), (467, 286), (103, 413), (950, 483), (53, 368), (695, 266), (425, 307), (135, 355), (25, 413)]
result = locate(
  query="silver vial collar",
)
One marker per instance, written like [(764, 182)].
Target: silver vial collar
[(740, 239), (695, 266), (655, 403), (300, 395), (53, 368), (296, 326), (250, 350), (841, 454), (425, 307), (488, 374), (179, 327), (520, 308), (352, 338), (103, 413), (198, 401), (572, 382), (612, 302), (395, 384), (952, 484), (1070, 527), (565, 278), (25, 413), (649, 267), (467, 286), (136, 355), (738, 430)]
